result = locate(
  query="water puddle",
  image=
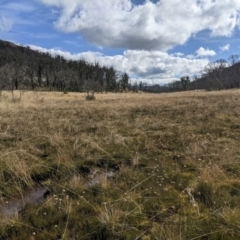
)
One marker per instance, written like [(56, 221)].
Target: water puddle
[(13, 206), (98, 177), (38, 195)]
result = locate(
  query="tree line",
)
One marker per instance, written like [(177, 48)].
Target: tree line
[(22, 68), (217, 75)]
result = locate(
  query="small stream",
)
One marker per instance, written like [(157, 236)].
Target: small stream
[(98, 176), (14, 205), (38, 195)]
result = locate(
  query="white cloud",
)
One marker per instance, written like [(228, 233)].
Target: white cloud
[(202, 52), (149, 66), (5, 24), (178, 54), (191, 56), (225, 48), (149, 26)]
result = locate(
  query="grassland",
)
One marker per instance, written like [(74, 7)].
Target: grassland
[(174, 160)]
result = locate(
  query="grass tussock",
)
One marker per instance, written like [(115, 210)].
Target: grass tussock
[(124, 166)]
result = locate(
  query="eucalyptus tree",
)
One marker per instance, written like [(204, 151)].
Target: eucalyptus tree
[(185, 80), (233, 59), (124, 81), (111, 78), (213, 72)]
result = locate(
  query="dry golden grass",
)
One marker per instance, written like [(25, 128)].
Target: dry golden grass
[(167, 151)]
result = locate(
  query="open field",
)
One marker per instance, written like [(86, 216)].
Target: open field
[(125, 166)]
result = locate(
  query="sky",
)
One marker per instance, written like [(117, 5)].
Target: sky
[(155, 41)]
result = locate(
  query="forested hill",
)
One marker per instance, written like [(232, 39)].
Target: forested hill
[(220, 74), (24, 68), (217, 75), (6, 44)]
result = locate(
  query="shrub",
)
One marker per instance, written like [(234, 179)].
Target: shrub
[(90, 96)]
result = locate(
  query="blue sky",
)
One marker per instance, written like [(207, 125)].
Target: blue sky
[(154, 41)]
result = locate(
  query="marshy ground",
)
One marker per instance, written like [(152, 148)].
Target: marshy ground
[(125, 166)]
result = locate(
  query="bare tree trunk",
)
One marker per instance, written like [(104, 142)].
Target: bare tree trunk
[(12, 89)]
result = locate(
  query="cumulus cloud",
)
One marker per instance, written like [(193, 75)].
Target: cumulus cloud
[(150, 66), (225, 48), (202, 52), (149, 26), (5, 24)]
